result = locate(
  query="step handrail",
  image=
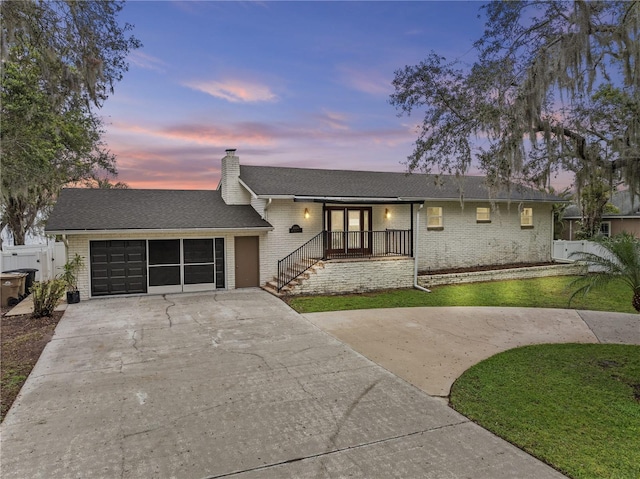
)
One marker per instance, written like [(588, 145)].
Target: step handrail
[(303, 259)]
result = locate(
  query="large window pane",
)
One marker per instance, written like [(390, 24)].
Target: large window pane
[(198, 251), (197, 274), (164, 275), (164, 252)]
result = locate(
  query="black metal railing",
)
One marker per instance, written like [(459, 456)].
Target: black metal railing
[(292, 266), (368, 244), (343, 244)]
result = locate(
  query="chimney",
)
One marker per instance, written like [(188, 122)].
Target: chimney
[(232, 192)]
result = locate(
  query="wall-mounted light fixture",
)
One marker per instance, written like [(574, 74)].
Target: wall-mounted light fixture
[(306, 213), (387, 213)]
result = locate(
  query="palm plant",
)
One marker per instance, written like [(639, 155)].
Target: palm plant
[(620, 261)]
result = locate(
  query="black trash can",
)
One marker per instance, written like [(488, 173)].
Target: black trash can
[(29, 279)]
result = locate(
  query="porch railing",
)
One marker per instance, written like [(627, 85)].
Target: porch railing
[(343, 244), (302, 259)]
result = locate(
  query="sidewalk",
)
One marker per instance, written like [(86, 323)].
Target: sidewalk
[(26, 307)]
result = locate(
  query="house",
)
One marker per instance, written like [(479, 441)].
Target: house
[(299, 230), (626, 219)]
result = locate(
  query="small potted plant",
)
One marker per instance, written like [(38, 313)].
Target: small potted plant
[(70, 276)]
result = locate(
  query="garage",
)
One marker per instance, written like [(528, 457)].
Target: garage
[(118, 267), (156, 266), (138, 241)]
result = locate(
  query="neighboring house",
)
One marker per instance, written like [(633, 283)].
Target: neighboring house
[(627, 219), (355, 230)]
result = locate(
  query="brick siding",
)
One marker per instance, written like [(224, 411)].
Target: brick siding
[(429, 281), (354, 276)]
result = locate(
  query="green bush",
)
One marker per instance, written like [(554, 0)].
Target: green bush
[(46, 296)]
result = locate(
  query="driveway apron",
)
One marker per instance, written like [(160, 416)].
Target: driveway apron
[(230, 384), (431, 347)]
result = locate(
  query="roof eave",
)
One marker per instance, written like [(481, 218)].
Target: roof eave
[(154, 230)]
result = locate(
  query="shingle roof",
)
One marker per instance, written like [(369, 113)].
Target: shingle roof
[(620, 199), (80, 209), (302, 182)]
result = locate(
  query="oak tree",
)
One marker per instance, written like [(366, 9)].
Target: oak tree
[(555, 88), (60, 62)]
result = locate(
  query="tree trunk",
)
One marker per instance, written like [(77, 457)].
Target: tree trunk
[(636, 300)]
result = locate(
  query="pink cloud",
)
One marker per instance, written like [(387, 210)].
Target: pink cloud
[(372, 82), (187, 155), (145, 61), (235, 91)]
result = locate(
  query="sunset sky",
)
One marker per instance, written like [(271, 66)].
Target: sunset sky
[(285, 83)]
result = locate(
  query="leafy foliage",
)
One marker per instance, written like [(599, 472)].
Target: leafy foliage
[(620, 261), (556, 87), (46, 296), (71, 269), (60, 61)]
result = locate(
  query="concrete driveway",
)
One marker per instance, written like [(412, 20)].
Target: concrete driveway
[(233, 384), (432, 347)]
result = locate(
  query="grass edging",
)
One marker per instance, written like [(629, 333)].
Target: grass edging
[(546, 292), (573, 406)]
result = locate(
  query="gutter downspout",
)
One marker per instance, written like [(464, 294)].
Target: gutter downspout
[(415, 254), (264, 210)]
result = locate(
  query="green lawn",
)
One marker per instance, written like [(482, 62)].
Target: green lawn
[(574, 406), (551, 292)]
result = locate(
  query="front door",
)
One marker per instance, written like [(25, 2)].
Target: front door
[(247, 261), (348, 230)]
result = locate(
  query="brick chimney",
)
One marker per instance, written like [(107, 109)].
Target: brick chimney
[(232, 192)]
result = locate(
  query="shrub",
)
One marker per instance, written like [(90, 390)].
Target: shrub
[(46, 296)]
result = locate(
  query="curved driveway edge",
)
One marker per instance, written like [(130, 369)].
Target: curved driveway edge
[(230, 384), (431, 347)]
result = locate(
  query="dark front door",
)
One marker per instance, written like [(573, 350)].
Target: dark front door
[(349, 231), (118, 267), (247, 261)]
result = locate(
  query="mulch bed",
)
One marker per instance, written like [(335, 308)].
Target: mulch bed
[(473, 269), (22, 340)]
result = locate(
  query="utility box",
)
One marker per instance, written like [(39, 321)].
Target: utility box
[(12, 288)]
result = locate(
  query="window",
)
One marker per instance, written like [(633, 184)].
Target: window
[(526, 218), (483, 215), (605, 228), (434, 217)]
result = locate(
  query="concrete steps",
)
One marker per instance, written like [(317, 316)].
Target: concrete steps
[(272, 285)]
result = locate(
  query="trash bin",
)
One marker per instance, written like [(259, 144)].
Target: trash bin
[(11, 288), (30, 279)]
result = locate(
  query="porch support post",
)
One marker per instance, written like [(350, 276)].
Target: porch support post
[(411, 237), (324, 230)]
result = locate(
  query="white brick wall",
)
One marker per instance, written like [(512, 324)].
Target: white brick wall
[(463, 242), (282, 214), (233, 193), (353, 276)]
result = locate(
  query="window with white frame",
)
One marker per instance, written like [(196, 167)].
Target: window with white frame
[(605, 228), (434, 217), (526, 218), (483, 215)]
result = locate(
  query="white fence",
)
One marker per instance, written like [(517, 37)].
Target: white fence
[(48, 259), (562, 250)]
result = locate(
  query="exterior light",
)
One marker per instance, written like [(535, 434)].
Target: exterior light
[(387, 213), (306, 213)]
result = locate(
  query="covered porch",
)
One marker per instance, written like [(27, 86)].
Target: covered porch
[(353, 231)]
